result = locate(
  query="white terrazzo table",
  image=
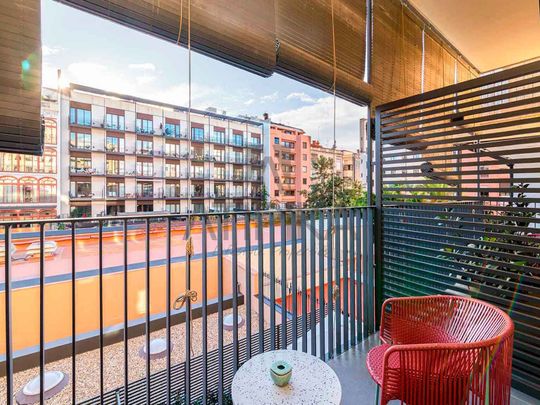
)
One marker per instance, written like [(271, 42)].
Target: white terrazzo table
[(312, 381)]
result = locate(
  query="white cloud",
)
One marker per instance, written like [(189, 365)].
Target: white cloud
[(50, 50), (142, 66), (301, 96), (317, 120), (269, 97), (249, 102)]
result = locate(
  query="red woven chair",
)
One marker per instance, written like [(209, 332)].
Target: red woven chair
[(443, 350)]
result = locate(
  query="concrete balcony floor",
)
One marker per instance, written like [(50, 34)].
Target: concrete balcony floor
[(358, 387)]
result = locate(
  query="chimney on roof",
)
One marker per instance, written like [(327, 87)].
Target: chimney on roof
[(265, 116)]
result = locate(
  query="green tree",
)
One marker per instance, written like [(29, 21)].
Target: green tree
[(346, 192), (264, 197)]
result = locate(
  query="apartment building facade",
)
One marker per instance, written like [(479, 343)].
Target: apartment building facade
[(29, 184), (289, 166), (125, 154)]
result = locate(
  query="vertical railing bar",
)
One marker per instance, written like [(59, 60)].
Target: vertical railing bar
[(370, 271), (7, 315), (312, 285), (248, 294), (41, 311), (337, 296), (234, 280), (168, 309), (205, 308), (220, 308), (101, 354), (294, 276), (189, 252), (260, 279), (73, 318), (329, 258), (345, 295), (364, 281), (147, 307), (272, 283), (322, 306), (283, 284), (303, 240), (352, 281), (126, 314)]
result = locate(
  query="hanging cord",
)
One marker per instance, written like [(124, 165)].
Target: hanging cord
[(181, 21), (334, 106)]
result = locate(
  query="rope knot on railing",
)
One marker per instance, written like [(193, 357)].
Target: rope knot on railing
[(190, 295)]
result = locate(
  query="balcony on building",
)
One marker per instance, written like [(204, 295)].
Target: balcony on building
[(160, 289)]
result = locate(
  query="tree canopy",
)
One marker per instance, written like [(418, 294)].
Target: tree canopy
[(347, 192)]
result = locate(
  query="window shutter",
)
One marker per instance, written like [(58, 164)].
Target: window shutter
[(21, 128)]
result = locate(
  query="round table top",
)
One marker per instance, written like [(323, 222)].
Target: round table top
[(312, 381)]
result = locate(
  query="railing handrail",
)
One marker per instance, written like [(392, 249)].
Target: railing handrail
[(142, 215)]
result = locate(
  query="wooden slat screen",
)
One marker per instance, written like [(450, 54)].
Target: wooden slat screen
[(20, 77), (218, 27), (305, 46), (294, 38), (397, 55), (458, 193)]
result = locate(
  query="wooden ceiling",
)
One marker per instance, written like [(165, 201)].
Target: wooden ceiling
[(492, 34)]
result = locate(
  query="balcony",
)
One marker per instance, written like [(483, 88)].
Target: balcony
[(85, 171), (144, 131), (144, 152)]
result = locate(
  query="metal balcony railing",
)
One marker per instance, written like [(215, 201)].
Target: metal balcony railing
[(296, 278)]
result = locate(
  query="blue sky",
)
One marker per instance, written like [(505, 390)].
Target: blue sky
[(93, 51)]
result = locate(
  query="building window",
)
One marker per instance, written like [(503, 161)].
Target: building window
[(80, 165), (8, 190), (145, 169), (50, 132), (48, 161), (80, 189), (144, 126), (304, 181), (79, 140), (219, 173), (145, 190), (218, 136), (238, 139), (80, 116), (29, 189), (276, 180), (173, 208), (276, 193), (172, 149), (304, 145), (287, 156), (304, 169), (172, 130), (114, 144), (172, 190), (172, 170), (197, 134), (286, 144), (288, 180), (288, 193), (276, 166), (115, 167), (116, 189), (145, 147), (114, 121), (276, 140), (304, 157), (47, 190)]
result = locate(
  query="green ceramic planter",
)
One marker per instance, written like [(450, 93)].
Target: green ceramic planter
[(281, 372)]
